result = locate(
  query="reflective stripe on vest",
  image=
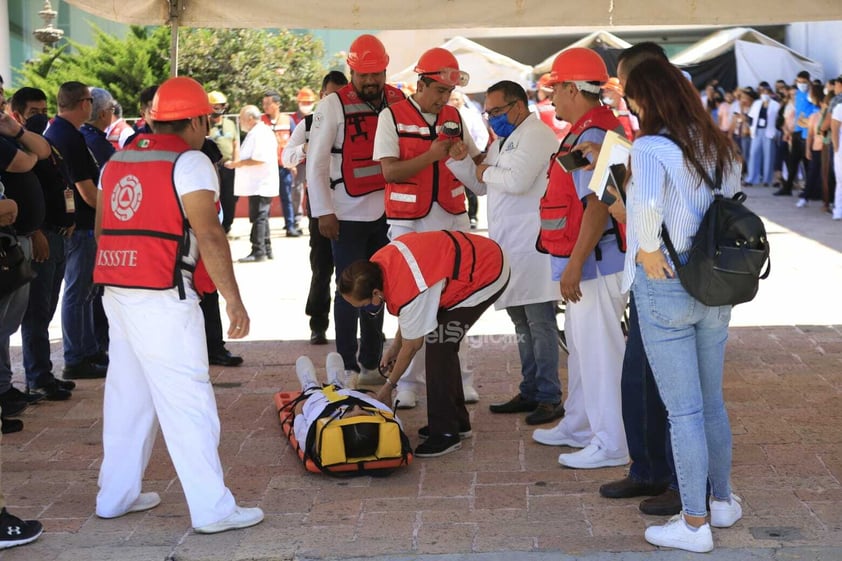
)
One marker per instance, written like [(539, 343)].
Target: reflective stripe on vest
[(413, 198), (417, 260), (561, 209), (361, 175), (144, 230)]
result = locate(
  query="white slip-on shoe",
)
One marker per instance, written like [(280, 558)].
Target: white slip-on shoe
[(306, 373), (241, 518), (591, 457), (679, 535), (471, 395), (406, 399), (144, 501), (556, 436), (370, 377), (335, 368), (724, 514)]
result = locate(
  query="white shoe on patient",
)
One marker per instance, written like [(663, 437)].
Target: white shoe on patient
[(306, 373), (335, 368)]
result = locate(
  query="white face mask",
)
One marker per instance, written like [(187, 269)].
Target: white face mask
[(306, 108), (765, 97), (802, 87), (824, 91), (607, 101)]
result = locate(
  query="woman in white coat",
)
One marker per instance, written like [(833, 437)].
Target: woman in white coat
[(513, 176)]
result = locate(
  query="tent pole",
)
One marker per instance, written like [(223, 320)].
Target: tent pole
[(175, 7)]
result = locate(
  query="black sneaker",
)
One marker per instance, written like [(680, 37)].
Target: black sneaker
[(84, 370), (14, 531), (13, 402), (11, 425), (464, 432), (438, 445), (518, 404), (48, 387)]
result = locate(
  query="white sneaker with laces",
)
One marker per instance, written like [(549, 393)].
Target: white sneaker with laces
[(801, 203), (679, 535), (335, 368), (471, 395), (306, 373), (241, 518), (724, 514), (555, 437), (144, 501), (591, 457), (370, 377), (406, 399)]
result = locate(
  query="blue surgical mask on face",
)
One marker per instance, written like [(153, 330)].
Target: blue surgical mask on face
[(501, 125), (373, 309)]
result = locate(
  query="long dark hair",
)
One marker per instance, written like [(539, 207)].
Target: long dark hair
[(669, 102)]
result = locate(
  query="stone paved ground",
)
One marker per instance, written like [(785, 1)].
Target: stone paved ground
[(501, 494)]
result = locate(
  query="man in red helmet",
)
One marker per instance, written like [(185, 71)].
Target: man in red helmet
[(159, 214), (345, 189), (422, 195), (546, 111), (587, 260)]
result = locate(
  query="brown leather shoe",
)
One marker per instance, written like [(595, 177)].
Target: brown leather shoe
[(667, 503), (627, 487), (518, 404), (544, 413)]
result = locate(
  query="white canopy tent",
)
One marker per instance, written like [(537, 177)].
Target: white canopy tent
[(485, 67), (742, 56), (601, 39)]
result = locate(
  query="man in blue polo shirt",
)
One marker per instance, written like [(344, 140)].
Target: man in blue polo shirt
[(797, 153), (82, 355)]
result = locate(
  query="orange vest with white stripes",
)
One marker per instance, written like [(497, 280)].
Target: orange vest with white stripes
[(361, 175), (413, 198), (417, 260), (561, 209)]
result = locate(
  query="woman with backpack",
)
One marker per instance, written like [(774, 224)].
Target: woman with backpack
[(675, 159)]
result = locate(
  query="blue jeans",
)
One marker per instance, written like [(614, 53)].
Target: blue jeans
[(537, 344), (77, 309), (12, 308), (644, 414), (685, 343), (43, 299), (761, 160), (285, 191), (357, 240)]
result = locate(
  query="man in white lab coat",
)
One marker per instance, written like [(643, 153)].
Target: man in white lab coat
[(513, 175)]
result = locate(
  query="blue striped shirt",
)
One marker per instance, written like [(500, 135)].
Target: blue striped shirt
[(664, 189)]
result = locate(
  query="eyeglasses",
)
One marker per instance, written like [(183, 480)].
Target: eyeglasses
[(497, 111)]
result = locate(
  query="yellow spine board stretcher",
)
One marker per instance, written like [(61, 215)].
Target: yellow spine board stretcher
[(393, 449)]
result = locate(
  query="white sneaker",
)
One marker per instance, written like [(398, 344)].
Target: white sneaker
[(591, 457), (677, 534), (471, 395), (144, 501), (555, 437), (370, 377), (724, 514), (306, 373), (801, 203), (405, 399), (335, 368), (241, 518)]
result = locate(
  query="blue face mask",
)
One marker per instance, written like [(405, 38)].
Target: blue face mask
[(501, 125), (373, 309)]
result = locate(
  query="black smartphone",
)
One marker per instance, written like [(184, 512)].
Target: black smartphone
[(572, 161)]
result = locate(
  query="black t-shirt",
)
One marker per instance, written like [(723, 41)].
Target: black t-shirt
[(24, 189), (80, 165)]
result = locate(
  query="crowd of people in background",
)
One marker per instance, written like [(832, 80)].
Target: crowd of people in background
[(388, 180)]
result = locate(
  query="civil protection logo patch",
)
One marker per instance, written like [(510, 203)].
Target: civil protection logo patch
[(126, 198)]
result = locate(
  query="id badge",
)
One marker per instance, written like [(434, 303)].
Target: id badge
[(761, 123), (69, 202)]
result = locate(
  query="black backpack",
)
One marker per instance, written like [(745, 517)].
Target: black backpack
[(728, 253)]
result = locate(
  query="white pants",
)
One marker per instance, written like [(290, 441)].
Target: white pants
[(158, 373), (837, 198), (593, 411), (413, 378)]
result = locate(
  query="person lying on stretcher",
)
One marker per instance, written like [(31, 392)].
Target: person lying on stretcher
[(360, 439)]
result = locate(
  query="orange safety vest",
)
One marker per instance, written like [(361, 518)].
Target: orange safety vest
[(361, 175), (115, 132), (417, 260), (144, 230), (413, 198), (561, 209)]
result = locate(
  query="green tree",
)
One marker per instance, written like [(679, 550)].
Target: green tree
[(242, 63)]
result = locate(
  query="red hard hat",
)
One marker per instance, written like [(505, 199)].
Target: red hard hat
[(367, 55), (578, 65), (180, 98), (440, 65)]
